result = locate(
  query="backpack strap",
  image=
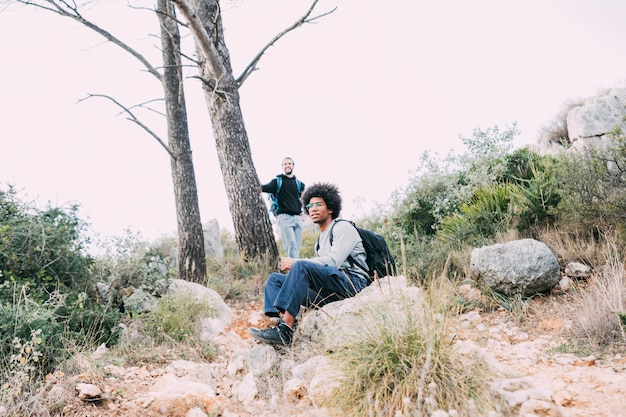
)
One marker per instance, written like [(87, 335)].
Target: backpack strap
[(274, 196), (279, 182), (350, 259)]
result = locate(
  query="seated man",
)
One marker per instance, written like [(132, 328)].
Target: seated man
[(319, 280)]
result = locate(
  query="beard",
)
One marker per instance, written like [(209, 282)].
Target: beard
[(288, 171)]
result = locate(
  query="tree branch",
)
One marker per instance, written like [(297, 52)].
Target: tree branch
[(304, 19), (63, 8), (134, 119), (215, 65)]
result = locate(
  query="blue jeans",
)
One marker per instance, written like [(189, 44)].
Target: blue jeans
[(290, 227), (308, 284)]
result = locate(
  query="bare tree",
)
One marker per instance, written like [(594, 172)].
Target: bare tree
[(253, 229), (191, 254)]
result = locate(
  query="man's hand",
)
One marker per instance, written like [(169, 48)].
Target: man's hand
[(286, 263)]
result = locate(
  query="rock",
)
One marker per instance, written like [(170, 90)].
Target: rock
[(139, 301), (597, 116), (88, 391), (100, 351), (565, 284), (247, 390), (525, 267), (577, 270), (212, 240), (337, 323)]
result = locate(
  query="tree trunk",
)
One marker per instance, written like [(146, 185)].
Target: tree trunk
[(191, 255), (253, 230)]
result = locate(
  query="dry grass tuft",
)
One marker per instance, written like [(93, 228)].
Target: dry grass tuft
[(405, 364), (596, 322), (579, 246)]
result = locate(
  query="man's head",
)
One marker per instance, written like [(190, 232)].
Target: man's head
[(329, 193), (288, 165)]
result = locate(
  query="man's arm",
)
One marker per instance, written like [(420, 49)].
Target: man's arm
[(345, 238), (270, 187)]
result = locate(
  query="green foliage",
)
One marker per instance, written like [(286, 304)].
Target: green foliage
[(490, 211), (441, 187), (40, 250), (522, 165), (593, 185), (541, 194), (131, 262), (176, 317), (474, 198), (518, 305), (622, 319), (45, 280), (61, 323)]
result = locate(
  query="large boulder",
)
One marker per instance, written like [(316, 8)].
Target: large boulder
[(338, 323), (525, 267), (221, 315), (597, 116)]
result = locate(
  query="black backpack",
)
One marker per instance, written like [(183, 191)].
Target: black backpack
[(379, 260)]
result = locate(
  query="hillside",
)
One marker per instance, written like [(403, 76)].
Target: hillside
[(577, 387)]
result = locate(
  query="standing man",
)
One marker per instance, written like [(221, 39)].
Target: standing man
[(329, 276), (286, 190)]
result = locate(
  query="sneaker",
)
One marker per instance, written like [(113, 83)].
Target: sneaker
[(281, 334)]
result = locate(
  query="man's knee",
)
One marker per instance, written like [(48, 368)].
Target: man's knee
[(275, 279)]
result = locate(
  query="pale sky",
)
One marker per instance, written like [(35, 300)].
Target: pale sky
[(354, 99)]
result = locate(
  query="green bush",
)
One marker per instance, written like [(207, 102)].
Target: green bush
[(176, 318), (593, 186), (490, 212), (45, 279), (61, 323), (541, 195), (40, 250), (131, 262)]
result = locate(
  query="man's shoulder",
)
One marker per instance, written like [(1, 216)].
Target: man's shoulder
[(343, 226)]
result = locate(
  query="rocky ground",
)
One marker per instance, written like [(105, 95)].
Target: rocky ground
[(581, 387)]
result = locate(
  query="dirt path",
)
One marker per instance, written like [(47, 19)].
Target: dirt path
[(582, 387)]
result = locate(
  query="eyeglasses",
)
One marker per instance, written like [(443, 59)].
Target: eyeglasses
[(316, 204)]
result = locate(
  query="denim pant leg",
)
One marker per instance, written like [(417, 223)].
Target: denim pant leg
[(273, 284), (291, 234), (309, 278)]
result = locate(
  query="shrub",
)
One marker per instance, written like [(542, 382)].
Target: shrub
[(541, 195), (175, 316), (131, 262), (490, 211), (40, 250), (61, 323), (440, 187), (593, 183)]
